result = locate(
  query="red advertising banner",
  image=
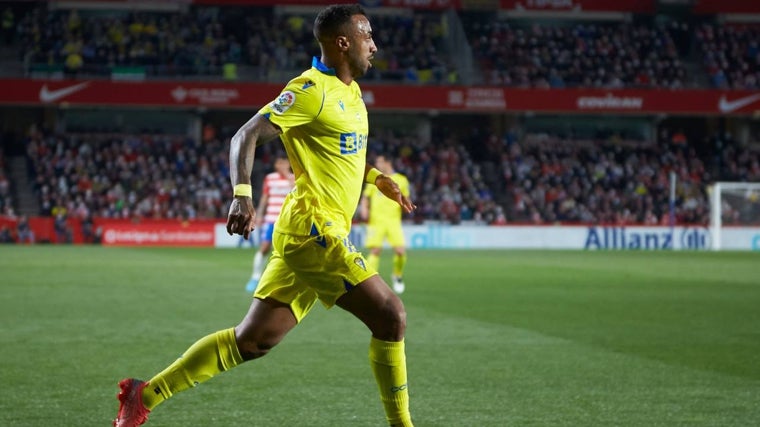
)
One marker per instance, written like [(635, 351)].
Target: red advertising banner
[(636, 6), (381, 97), (726, 6), (415, 4), (158, 234)]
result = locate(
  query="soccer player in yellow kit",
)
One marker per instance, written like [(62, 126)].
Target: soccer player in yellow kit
[(322, 122), (385, 222)]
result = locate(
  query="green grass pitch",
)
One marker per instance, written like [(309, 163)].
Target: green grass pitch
[(494, 338)]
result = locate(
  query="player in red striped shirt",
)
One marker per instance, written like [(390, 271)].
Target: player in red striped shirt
[(276, 186)]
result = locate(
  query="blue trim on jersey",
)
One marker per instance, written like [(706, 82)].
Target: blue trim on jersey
[(316, 63), (266, 232), (320, 240)]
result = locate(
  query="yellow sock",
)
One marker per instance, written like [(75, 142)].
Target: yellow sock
[(209, 356), (389, 366), (399, 261), (373, 261)]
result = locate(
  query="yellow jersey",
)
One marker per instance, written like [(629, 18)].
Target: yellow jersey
[(324, 130), (382, 209)]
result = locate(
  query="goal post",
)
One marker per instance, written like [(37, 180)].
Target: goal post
[(735, 204)]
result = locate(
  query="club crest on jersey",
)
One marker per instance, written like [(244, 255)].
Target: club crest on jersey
[(283, 102), (360, 262)]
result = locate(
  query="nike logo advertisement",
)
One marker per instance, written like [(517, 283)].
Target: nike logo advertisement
[(726, 106), (47, 95)]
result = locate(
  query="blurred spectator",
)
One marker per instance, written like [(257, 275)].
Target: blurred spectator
[(24, 232), (6, 236), (63, 233), (90, 234), (6, 201)]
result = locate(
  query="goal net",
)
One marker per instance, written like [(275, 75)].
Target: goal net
[(734, 205)]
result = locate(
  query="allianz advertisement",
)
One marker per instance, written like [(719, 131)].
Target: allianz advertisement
[(439, 236)]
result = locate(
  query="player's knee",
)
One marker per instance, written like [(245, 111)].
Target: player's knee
[(252, 349), (253, 344), (399, 322), (392, 326)]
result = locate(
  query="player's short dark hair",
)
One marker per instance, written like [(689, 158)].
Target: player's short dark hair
[(331, 21)]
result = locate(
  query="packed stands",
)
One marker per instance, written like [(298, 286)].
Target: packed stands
[(129, 176), (731, 54), (204, 40), (485, 177), (613, 55)]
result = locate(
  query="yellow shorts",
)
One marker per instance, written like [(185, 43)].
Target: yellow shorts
[(376, 233), (303, 269)]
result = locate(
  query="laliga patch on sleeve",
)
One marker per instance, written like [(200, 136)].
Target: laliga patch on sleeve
[(283, 102)]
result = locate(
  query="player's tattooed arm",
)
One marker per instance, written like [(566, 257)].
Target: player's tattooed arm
[(258, 130)]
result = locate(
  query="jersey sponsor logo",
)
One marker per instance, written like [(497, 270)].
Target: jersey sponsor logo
[(342, 107), (308, 84), (348, 245), (351, 143), (283, 102)]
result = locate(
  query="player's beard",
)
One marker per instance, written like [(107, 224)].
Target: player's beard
[(359, 65)]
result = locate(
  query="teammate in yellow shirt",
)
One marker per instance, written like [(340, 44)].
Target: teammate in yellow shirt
[(322, 122), (385, 222)]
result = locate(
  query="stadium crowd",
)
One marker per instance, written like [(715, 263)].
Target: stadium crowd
[(204, 40), (486, 178), (588, 54), (157, 176), (537, 178), (447, 184), (731, 54), (413, 47), (164, 43), (128, 176), (552, 179)]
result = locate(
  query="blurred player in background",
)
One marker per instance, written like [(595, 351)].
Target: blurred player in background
[(322, 122), (276, 186), (385, 222)]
